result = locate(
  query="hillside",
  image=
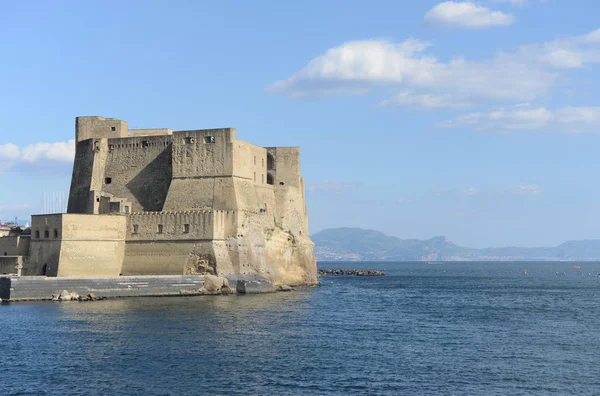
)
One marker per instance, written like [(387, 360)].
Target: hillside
[(356, 244)]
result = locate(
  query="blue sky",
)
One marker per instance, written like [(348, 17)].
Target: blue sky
[(474, 120)]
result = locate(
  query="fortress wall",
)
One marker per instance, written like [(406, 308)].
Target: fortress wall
[(11, 265), (139, 170), (81, 180), (150, 132), (290, 210), (258, 199), (201, 194), (175, 252), (44, 252), (201, 226), (195, 156), (76, 245), (99, 127), (250, 162), (92, 245), (287, 165), (9, 246), (168, 258), (224, 224)]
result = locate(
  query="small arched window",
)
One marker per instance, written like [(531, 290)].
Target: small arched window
[(270, 162), (55, 233), (46, 234), (270, 179), (37, 234)]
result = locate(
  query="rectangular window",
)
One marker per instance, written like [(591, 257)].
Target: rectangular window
[(262, 177), (55, 233), (135, 228), (160, 229), (113, 129), (108, 180), (186, 228), (263, 162), (126, 209), (255, 177), (209, 139), (255, 160)]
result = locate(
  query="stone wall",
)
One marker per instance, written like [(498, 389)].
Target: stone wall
[(85, 245), (11, 265), (138, 169), (16, 245)]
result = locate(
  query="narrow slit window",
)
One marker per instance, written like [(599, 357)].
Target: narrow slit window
[(135, 228), (160, 229), (186, 228)]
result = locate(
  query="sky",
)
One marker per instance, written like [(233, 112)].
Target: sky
[(478, 121)]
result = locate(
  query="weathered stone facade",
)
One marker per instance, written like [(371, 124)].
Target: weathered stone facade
[(163, 202)]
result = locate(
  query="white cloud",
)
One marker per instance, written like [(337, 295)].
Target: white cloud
[(9, 151), (528, 118), (466, 15), (39, 153), (356, 65), (523, 75), (425, 101), (60, 151)]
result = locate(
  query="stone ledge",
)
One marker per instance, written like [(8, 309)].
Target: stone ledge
[(40, 288)]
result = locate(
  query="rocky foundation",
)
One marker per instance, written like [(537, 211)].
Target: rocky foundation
[(350, 272)]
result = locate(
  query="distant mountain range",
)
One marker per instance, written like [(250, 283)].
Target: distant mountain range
[(356, 244)]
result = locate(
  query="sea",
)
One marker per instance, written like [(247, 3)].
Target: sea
[(492, 328)]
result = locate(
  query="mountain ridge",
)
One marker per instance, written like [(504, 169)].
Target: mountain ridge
[(358, 244)]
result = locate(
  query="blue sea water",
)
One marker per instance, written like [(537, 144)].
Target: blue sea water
[(448, 329)]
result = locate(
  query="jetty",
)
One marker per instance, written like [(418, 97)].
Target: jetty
[(350, 272)]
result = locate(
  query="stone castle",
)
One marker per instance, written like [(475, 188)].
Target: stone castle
[(163, 202)]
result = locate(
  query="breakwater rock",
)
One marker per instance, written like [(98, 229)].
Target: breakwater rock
[(352, 272)]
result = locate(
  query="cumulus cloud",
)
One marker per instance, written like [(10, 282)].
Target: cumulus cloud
[(425, 101), (529, 118), (466, 15), (39, 153), (423, 81)]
